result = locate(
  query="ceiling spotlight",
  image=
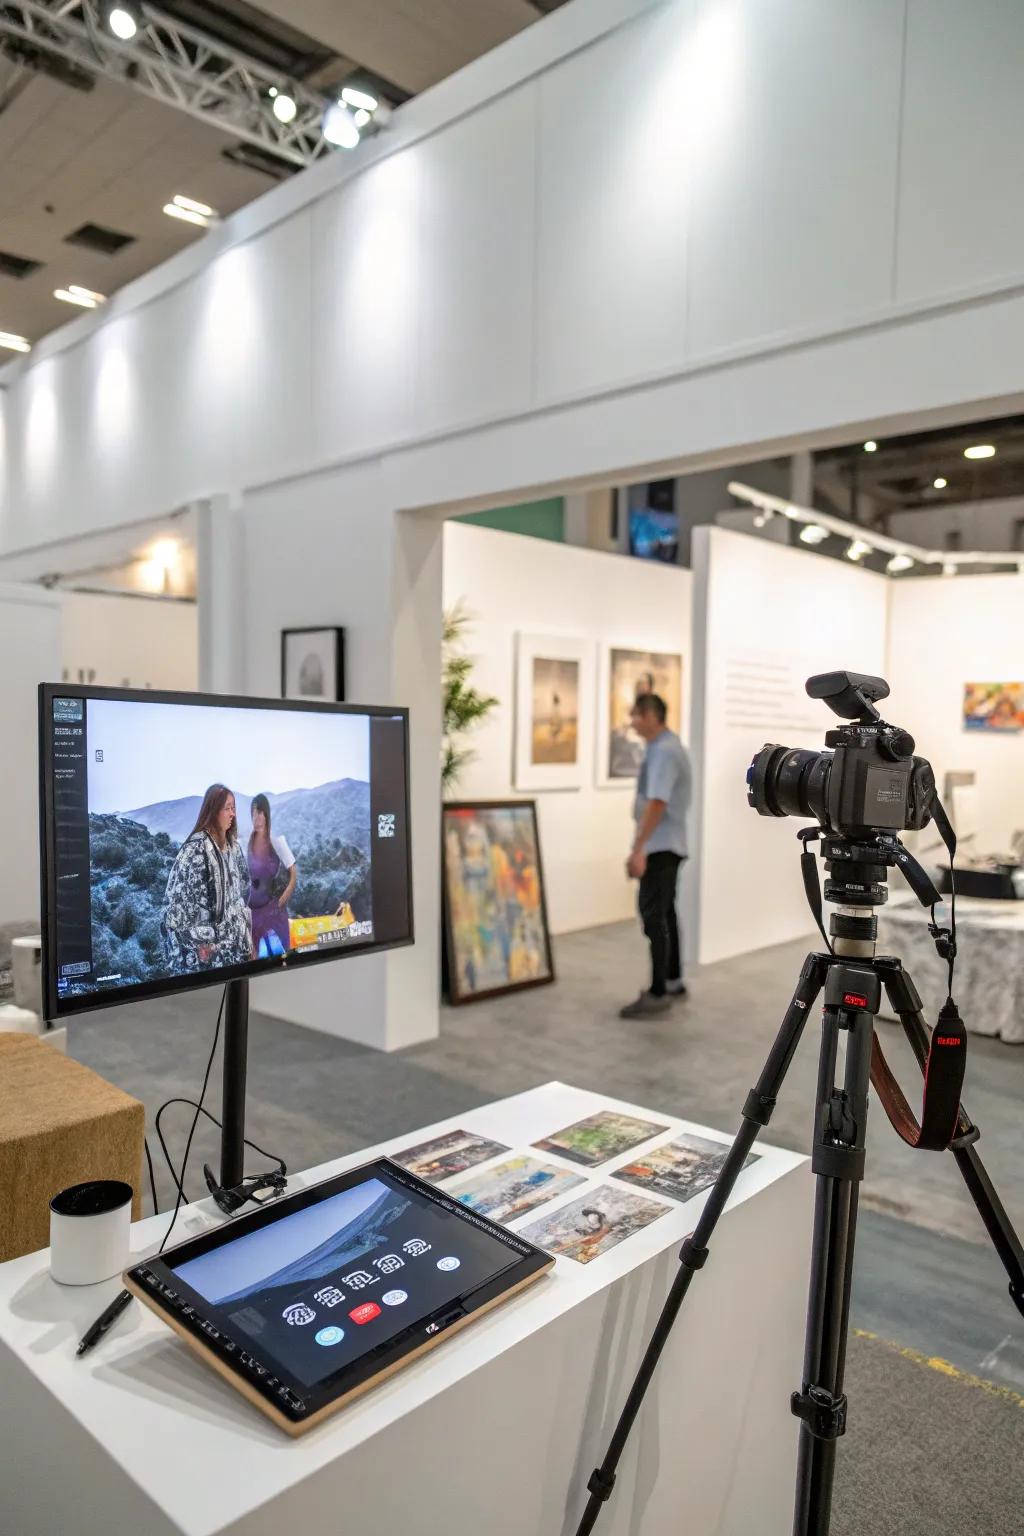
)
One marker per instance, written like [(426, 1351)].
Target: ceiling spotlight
[(339, 126), (813, 533), (15, 343), (980, 451), (940, 482), (759, 519), (870, 446), (352, 96), (789, 512), (857, 549), (85, 297), (898, 563), (123, 22), (361, 117), (284, 106), (949, 567)]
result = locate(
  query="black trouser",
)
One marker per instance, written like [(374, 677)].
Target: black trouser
[(657, 903)]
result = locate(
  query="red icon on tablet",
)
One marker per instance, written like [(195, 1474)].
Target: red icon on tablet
[(365, 1313)]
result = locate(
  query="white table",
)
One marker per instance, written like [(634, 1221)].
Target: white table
[(493, 1434), (989, 964)]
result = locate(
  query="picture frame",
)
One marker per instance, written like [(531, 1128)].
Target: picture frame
[(496, 940), (553, 693), (313, 663), (625, 670)]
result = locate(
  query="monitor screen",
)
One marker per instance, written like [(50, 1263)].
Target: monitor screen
[(190, 839)]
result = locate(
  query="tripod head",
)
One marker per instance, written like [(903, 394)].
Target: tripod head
[(857, 882)]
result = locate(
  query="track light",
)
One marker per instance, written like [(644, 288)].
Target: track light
[(123, 21), (949, 567), (86, 298), (339, 126), (15, 343), (361, 117), (813, 533), (870, 446), (760, 519), (181, 207), (940, 482), (284, 107), (352, 96), (857, 549), (898, 563), (980, 451)]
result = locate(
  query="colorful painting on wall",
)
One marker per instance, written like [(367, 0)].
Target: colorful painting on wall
[(627, 674), (496, 927), (994, 706)]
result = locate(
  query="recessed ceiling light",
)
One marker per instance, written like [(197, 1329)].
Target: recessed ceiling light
[(85, 297), (15, 343), (813, 533), (857, 549), (339, 126), (980, 451), (870, 446), (284, 108), (940, 482), (898, 563), (191, 206), (352, 96)]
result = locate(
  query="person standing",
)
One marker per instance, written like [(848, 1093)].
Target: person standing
[(663, 792)]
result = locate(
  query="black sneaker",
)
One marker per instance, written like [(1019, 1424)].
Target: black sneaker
[(647, 1006)]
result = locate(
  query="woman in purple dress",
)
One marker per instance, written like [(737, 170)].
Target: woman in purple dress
[(268, 855)]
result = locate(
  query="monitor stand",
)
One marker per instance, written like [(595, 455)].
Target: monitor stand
[(236, 1042)]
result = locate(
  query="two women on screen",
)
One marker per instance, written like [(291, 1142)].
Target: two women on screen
[(206, 919), (268, 855)]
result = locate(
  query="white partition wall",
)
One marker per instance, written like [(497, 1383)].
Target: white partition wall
[(766, 618), (30, 623), (512, 585), (944, 633)]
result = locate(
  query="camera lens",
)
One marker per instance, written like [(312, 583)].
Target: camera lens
[(785, 781)]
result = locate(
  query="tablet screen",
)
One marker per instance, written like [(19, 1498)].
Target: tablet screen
[(330, 1282)]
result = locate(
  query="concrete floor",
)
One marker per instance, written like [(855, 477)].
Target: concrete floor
[(925, 1278)]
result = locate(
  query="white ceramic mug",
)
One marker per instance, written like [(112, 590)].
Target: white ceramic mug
[(89, 1231)]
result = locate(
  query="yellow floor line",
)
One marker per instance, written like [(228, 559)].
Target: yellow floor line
[(936, 1363)]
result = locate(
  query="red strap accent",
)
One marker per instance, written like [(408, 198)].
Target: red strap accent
[(943, 1079)]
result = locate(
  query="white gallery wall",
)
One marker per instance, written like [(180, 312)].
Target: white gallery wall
[(943, 633), (766, 618), (129, 642), (30, 645), (512, 585), (522, 283)]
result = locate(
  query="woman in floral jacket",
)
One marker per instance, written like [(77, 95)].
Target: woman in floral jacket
[(206, 919)]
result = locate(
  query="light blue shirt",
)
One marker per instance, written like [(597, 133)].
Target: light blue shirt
[(665, 774)]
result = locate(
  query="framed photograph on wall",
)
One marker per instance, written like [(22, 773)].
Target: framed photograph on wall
[(495, 912), (625, 674), (313, 664), (553, 687)]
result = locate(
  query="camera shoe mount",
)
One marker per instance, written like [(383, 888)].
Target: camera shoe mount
[(852, 978)]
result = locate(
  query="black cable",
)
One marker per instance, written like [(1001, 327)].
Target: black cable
[(180, 1182), (152, 1177), (270, 1156)]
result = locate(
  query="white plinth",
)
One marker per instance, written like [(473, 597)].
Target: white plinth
[(493, 1434)]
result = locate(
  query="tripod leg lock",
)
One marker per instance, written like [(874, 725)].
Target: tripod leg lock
[(824, 1415), (601, 1484), (758, 1108), (691, 1257)]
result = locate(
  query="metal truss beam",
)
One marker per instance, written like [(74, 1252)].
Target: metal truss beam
[(175, 64)]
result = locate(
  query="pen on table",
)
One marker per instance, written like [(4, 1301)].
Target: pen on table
[(105, 1320)]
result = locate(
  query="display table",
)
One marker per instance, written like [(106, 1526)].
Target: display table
[(989, 962), (494, 1432)]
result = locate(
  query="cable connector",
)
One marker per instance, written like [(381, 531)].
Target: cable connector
[(943, 940), (601, 1486), (824, 1415)]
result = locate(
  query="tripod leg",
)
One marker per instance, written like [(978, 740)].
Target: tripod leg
[(852, 995), (756, 1113), (906, 1004)]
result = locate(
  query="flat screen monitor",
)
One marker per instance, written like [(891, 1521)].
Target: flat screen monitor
[(189, 839)]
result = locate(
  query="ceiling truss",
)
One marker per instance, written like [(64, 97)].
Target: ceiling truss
[(175, 64)]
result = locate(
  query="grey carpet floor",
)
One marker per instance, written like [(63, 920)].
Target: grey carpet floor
[(925, 1277)]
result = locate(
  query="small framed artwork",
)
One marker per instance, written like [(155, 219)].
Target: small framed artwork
[(994, 707), (553, 687), (495, 912), (313, 664), (625, 674)]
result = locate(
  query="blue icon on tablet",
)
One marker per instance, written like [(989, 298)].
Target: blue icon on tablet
[(331, 1335)]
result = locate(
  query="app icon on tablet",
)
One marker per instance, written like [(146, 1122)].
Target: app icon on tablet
[(394, 1298), (331, 1335), (451, 1262), (298, 1314), (365, 1313)]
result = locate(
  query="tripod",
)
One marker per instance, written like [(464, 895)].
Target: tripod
[(852, 979)]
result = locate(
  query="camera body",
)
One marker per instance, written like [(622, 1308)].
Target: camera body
[(867, 782)]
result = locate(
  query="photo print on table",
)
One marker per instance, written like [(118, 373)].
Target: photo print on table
[(680, 1169), (593, 1223), (600, 1136), (444, 1156), (510, 1189)]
